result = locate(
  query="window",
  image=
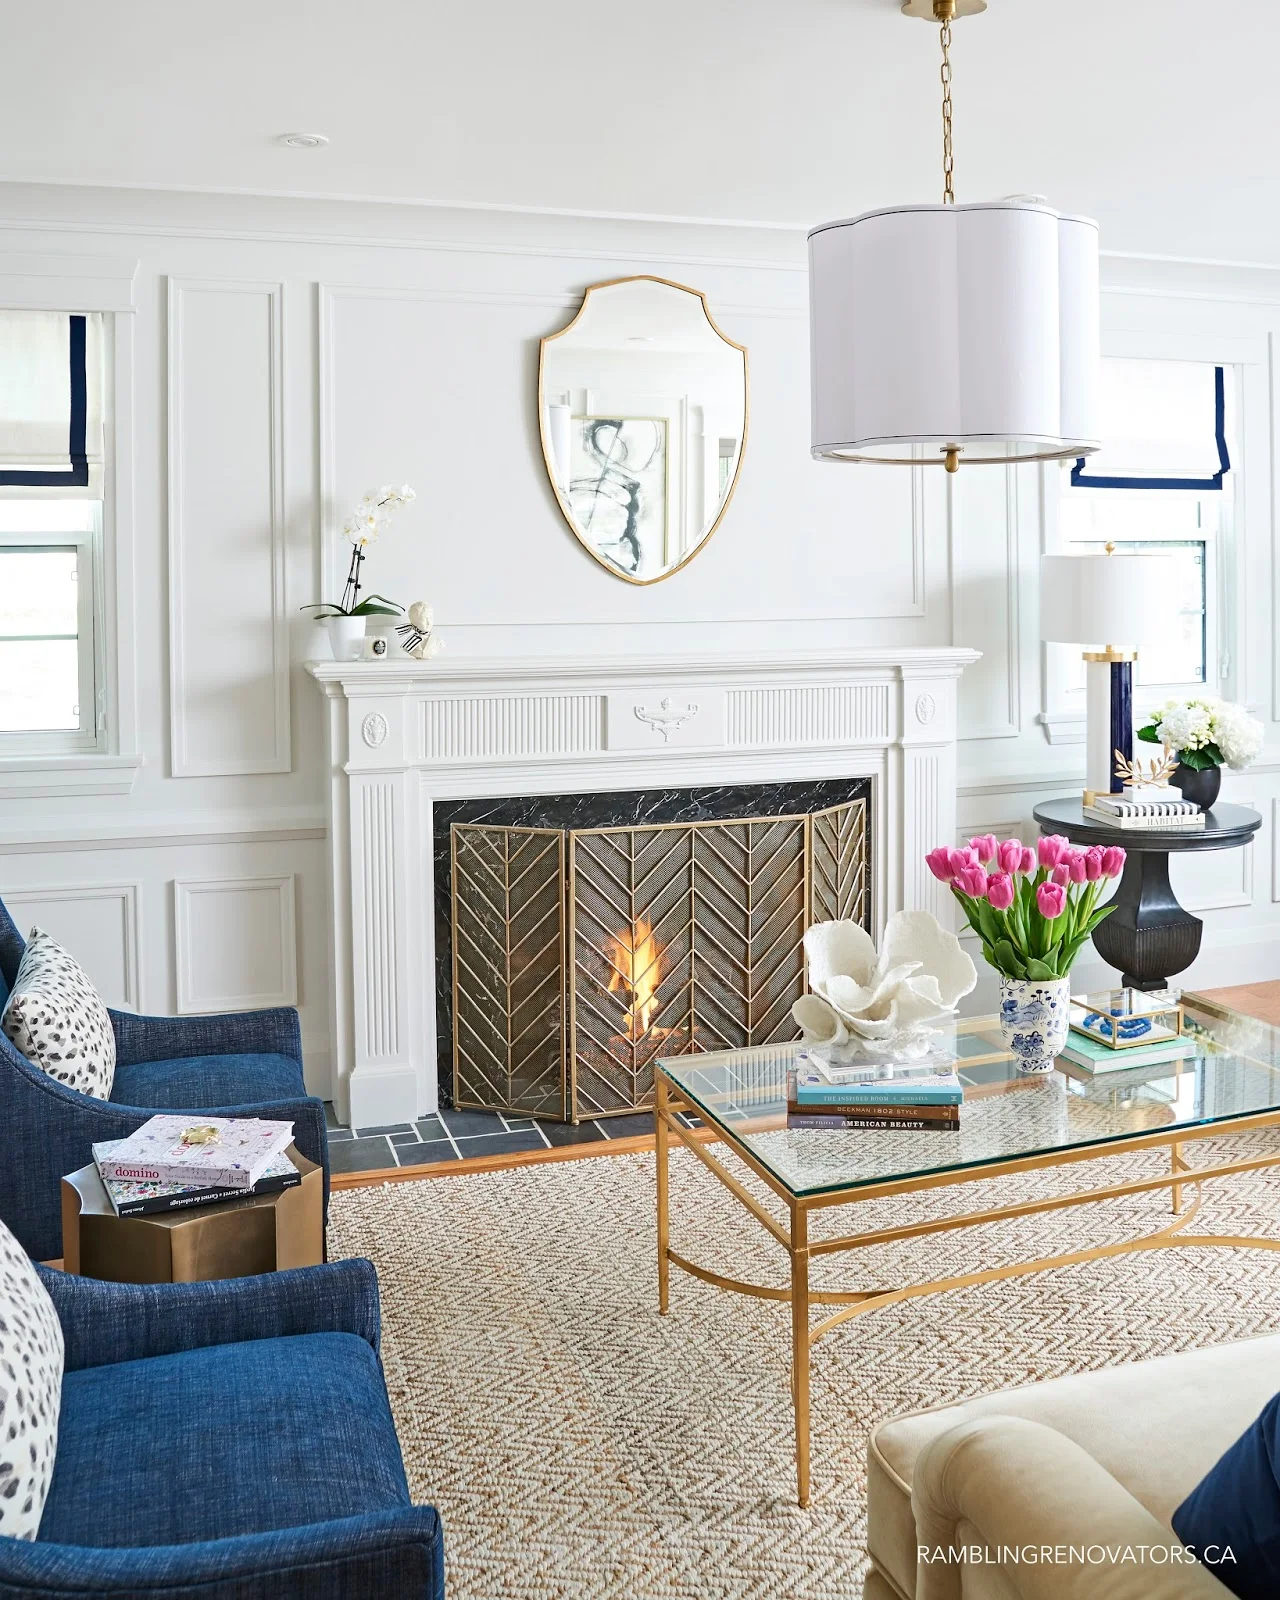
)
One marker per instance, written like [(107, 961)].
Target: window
[(51, 468), (1164, 482), (49, 658), (1190, 529)]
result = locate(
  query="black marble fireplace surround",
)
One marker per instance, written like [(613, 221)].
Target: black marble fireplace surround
[(642, 807)]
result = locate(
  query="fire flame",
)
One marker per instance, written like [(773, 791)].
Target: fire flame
[(636, 958)]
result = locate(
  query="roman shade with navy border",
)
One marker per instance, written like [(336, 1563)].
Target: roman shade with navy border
[(50, 400)]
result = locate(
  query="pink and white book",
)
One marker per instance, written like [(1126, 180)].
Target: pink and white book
[(235, 1157)]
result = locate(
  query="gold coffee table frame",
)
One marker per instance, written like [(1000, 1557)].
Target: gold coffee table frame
[(801, 1250)]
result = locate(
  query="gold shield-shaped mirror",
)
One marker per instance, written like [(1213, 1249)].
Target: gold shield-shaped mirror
[(642, 407)]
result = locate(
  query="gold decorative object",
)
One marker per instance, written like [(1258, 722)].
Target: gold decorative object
[(1141, 774), (201, 1133), (580, 956), (642, 412)]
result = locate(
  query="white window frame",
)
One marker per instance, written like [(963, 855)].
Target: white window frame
[(1246, 360), (105, 284), (87, 543), (1218, 542)]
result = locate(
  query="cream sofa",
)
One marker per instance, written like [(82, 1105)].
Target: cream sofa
[(1098, 1460)]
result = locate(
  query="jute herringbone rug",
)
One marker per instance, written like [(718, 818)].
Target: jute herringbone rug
[(579, 1446)]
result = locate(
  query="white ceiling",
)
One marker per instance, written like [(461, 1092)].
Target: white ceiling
[(1156, 116)]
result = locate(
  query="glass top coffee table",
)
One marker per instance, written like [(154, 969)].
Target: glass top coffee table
[(1009, 1123)]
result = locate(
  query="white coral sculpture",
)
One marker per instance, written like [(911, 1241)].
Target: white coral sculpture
[(891, 1003)]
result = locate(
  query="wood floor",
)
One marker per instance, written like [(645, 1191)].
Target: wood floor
[(1261, 1000)]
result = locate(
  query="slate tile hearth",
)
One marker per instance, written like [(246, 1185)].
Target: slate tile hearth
[(455, 1135)]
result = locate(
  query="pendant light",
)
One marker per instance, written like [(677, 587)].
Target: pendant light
[(942, 333)]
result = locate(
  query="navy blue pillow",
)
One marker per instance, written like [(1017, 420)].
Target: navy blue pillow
[(1231, 1519)]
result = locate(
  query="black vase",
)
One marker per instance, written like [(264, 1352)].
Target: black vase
[(1201, 786)]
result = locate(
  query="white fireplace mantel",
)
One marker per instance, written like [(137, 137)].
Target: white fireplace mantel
[(404, 734)]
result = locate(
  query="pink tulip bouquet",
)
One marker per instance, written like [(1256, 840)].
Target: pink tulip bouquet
[(1032, 909)]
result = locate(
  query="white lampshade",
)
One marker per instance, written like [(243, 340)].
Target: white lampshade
[(1122, 600), (973, 326)]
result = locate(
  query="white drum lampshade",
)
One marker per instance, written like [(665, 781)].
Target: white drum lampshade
[(955, 333), (1113, 604), (1119, 601)]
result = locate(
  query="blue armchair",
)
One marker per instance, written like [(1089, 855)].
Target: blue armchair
[(226, 1441), (243, 1065)]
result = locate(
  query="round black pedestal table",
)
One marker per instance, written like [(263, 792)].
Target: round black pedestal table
[(1149, 937)]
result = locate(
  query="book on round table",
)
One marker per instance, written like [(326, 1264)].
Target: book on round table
[(1143, 819)]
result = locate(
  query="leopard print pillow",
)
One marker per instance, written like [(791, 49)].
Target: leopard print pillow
[(31, 1354), (55, 1017)]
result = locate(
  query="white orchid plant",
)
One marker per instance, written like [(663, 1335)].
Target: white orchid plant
[(1205, 732), (890, 1002), (362, 528)]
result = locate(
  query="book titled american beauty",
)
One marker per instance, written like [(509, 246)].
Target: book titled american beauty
[(229, 1152)]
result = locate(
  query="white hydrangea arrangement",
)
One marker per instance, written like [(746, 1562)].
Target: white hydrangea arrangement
[(1205, 732)]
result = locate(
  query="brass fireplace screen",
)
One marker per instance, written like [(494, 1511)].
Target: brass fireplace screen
[(580, 956)]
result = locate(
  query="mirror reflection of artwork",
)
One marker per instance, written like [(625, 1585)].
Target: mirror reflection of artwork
[(618, 488), (643, 414)]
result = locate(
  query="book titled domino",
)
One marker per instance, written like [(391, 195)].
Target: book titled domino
[(235, 1157), (143, 1199)]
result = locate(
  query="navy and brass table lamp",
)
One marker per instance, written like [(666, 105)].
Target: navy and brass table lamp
[(1113, 604)]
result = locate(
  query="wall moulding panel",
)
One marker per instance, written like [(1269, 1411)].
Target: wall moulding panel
[(986, 597), (790, 519), (403, 735), (228, 630), (99, 923), (235, 943)]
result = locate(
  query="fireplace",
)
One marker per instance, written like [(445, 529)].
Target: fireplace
[(579, 939), (413, 747)]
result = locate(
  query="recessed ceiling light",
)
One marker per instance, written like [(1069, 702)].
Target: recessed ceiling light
[(304, 141)]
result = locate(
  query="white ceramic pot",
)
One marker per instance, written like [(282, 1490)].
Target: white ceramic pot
[(346, 637), (1034, 1018)]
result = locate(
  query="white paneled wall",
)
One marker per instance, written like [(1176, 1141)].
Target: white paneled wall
[(235, 943), (282, 357), (228, 633), (100, 919)]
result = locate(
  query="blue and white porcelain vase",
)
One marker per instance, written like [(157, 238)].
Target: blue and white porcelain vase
[(1034, 1017)]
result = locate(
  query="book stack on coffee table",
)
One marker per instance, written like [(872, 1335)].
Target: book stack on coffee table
[(912, 1096)]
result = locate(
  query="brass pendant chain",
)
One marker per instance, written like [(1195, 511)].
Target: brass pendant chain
[(948, 157)]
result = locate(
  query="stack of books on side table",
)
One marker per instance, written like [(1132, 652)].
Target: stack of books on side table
[(916, 1096), (1162, 807), (174, 1162)]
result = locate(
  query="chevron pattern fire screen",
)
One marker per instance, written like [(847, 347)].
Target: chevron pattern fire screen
[(580, 956)]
